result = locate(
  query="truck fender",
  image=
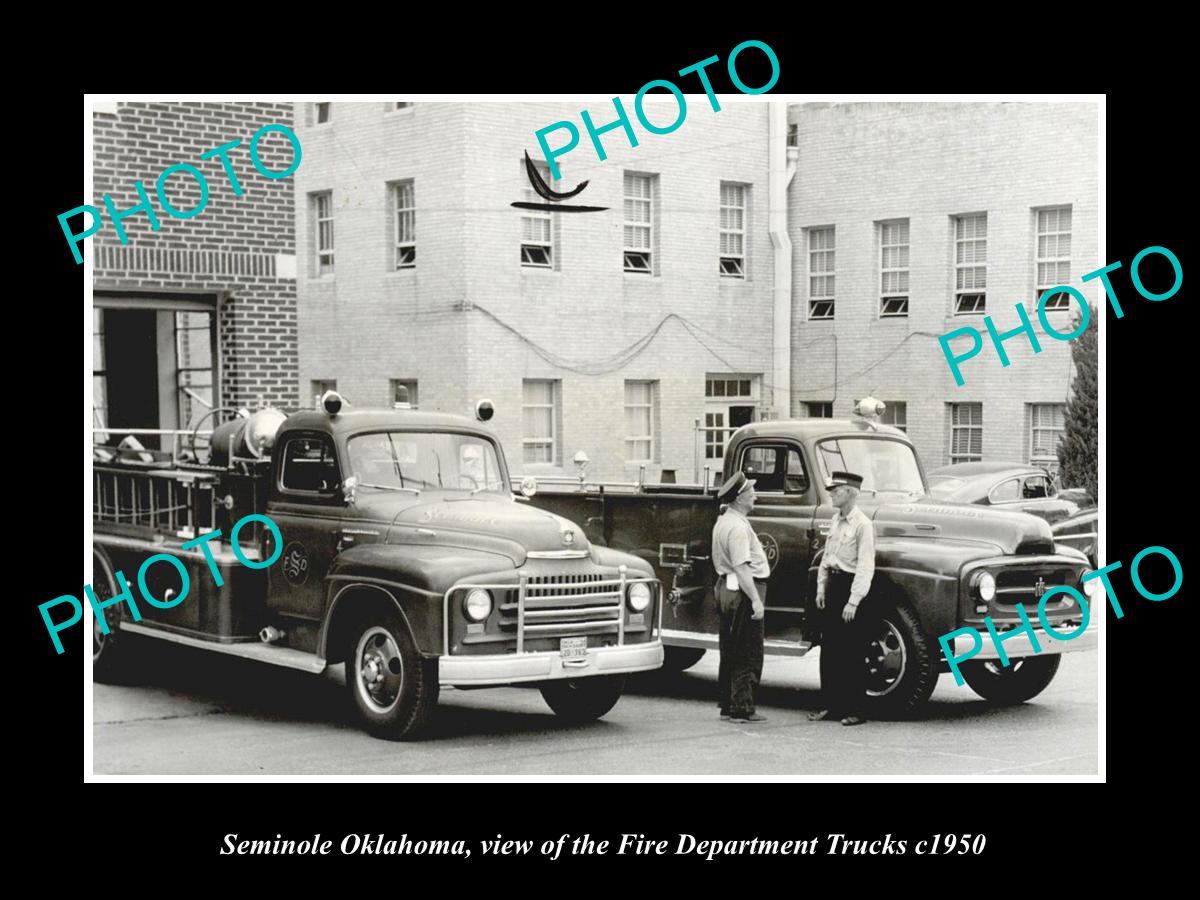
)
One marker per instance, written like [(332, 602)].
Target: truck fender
[(324, 644)]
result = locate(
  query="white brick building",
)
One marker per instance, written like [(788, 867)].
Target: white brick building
[(415, 269)]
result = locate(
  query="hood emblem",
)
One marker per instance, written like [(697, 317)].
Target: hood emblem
[(568, 538)]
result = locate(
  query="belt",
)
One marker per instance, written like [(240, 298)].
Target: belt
[(838, 573)]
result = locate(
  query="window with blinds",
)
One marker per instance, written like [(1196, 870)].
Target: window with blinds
[(404, 224), (733, 230), (1047, 427), (1054, 254), (537, 226), (639, 223), (893, 269), (540, 416), (640, 415), (966, 432), (970, 264), (322, 211), (820, 273)]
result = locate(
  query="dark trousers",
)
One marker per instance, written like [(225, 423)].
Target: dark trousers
[(843, 650), (741, 649)]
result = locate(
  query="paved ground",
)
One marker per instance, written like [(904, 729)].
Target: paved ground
[(201, 713)]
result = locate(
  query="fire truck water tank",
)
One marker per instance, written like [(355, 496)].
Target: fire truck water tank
[(251, 438)]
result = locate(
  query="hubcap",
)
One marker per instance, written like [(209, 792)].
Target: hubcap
[(379, 669), (886, 659)]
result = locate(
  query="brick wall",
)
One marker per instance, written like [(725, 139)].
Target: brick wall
[(860, 164), (240, 249)]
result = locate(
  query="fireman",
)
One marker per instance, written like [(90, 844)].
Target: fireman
[(843, 582)]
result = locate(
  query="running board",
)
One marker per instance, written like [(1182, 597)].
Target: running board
[(772, 646), (276, 656)]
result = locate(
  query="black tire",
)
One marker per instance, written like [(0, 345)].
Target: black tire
[(1022, 679), (393, 688), (583, 699), (680, 659), (111, 654), (902, 664)]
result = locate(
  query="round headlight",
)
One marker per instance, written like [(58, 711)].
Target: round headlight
[(478, 605), (528, 486), (1092, 588), (985, 586), (639, 596)]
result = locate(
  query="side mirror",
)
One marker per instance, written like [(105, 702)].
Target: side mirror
[(349, 486)]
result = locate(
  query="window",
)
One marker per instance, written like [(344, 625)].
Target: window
[(1046, 431), (893, 269), (970, 264), (99, 374), (405, 224), (819, 409), (793, 134), (730, 401), (403, 393), (193, 366), (775, 469), (537, 226), (309, 466), (639, 219), (966, 432), (322, 207), (820, 273), (542, 415), (895, 413), (403, 106), (1006, 491), (319, 387), (1054, 254), (321, 113), (641, 414), (733, 230)]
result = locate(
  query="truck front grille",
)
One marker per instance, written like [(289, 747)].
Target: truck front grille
[(1020, 584), (564, 605)]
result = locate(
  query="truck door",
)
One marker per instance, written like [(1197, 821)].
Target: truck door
[(308, 506), (783, 520)]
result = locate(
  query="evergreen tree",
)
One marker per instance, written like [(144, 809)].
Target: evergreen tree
[(1078, 454)]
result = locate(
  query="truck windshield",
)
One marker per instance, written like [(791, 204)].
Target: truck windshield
[(426, 461), (887, 467)]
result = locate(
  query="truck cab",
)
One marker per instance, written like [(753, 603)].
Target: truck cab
[(398, 548)]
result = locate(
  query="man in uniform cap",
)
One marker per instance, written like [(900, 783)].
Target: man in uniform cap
[(741, 593), (843, 581)]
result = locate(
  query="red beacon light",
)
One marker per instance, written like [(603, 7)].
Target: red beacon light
[(870, 409), (484, 410)]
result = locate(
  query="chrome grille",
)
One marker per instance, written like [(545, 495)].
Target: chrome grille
[(1018, 584), (564, 606)]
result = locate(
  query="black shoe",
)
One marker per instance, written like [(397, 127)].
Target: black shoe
[(747, 717), (854, 720)]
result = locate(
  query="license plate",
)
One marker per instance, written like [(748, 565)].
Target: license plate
[(573, 648)]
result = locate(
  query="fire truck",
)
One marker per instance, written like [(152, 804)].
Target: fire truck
[(939, 566), (401, 551)]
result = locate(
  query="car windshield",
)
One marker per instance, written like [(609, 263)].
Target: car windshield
[(417, 460), (886, 466)]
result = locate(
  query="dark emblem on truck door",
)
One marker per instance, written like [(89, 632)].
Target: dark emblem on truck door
[(770, 547), (294, 562)]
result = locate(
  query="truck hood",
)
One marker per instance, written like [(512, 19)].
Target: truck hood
[(507, 528), (1010, 532)]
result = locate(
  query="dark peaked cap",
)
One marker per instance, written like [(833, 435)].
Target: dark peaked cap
[(846, 478), (737, 483)]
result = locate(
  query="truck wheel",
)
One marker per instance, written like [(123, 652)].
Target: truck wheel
[(110, 652), (393, 687), (583, 699), (1021, 680), (679, 659), (901, 664)]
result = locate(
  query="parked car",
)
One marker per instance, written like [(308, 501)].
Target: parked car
[(1004, 485)]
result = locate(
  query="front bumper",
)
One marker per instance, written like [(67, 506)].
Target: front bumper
[(509, 668), (1019, 645)]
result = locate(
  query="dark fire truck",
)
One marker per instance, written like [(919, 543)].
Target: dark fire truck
[(404, 554), (939, 566)]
